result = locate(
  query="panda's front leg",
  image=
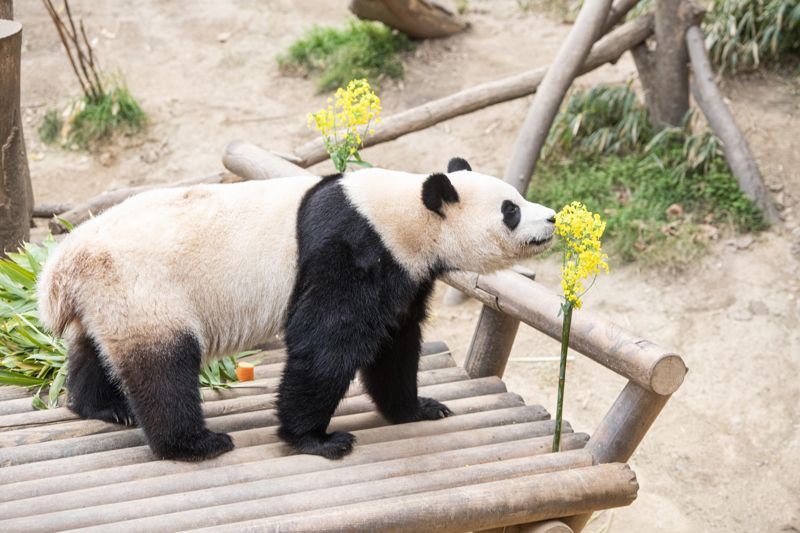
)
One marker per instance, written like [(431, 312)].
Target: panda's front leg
[(391, 379)]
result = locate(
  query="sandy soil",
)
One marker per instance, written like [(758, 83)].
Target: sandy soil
[(724, 455)]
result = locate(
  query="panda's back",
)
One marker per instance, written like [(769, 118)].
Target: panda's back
[(218, 260)]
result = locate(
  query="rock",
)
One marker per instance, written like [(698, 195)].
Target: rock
[(150, 156), (675, 210), (744, 242), (224, 37), (107, 159), (758, 308)]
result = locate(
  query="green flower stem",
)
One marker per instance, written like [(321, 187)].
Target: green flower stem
[(562, 373)]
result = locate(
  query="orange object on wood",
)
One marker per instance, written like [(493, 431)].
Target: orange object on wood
[(245, 371)]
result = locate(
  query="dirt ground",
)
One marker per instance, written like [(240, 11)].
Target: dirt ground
[(724, 456)]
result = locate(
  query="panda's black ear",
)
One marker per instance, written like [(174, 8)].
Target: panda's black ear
[(436, 191), (457, 164)]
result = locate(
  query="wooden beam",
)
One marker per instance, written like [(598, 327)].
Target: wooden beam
[(569, 61), (270, 497), (652, 367), (737, 151), (608, 49), (499, 503)]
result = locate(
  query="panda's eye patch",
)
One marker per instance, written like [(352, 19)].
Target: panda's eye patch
[(511, 214)]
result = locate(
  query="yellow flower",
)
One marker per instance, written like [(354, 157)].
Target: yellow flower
[(353, 106), (583, 255)]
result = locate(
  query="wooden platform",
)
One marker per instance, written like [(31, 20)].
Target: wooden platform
[(487, 466)]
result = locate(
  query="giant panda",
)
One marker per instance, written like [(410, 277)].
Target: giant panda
[(343, 265)]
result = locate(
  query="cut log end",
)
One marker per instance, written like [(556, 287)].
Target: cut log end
[(667, 374)]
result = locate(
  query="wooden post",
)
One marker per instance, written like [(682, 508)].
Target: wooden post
[(16, 193), (491, 344), (737, 152), (621, 431)]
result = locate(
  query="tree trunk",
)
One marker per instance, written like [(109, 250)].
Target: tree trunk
[(16, 193), (670, 95)]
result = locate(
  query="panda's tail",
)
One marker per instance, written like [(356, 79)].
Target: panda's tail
[(56, 296)]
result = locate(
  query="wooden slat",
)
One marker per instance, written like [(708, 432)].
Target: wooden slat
[(117, 466), (435, 355), (497, 503), (244, 464), (273, 497), (255, 388), (109, 436)]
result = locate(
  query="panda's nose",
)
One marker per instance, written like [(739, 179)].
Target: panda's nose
[(552, 219)]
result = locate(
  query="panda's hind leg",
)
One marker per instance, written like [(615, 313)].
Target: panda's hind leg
[(91, 393), (163, 385)]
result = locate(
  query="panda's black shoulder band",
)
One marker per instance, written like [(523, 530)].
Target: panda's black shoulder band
[(436, 191)]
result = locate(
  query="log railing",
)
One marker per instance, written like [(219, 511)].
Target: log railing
[(653, 373)]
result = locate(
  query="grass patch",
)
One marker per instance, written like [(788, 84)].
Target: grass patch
[(90, 122), (361, 49), (664, 195), (744, 34), (31, 356)]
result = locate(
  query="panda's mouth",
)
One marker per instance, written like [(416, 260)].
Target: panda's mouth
[(539, 242)]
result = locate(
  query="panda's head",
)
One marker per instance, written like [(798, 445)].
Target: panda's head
[(460, 219), (485, 223)]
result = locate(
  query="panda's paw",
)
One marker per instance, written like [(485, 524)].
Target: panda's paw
[(331, 445), (207, 445), (430, 409)]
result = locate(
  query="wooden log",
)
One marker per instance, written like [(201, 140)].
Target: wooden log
[(50, 210), (104, 432), (639, 360), (608, 49), (737, 151), (376, 445), (547, 526), (570, 59), (491, 344), (57, 442), (617, 13), (94, 206), (621, 431), (267, 498), (419, 19), (252, 163), (492, 504), (16, 192)]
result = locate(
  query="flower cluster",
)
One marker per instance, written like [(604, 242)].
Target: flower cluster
[(580, 231), (354, 106)]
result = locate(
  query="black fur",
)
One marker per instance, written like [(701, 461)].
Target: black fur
[(457, 164), (511, 214), (90, 391), (436, 191), (353, 308), (162, 381)]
